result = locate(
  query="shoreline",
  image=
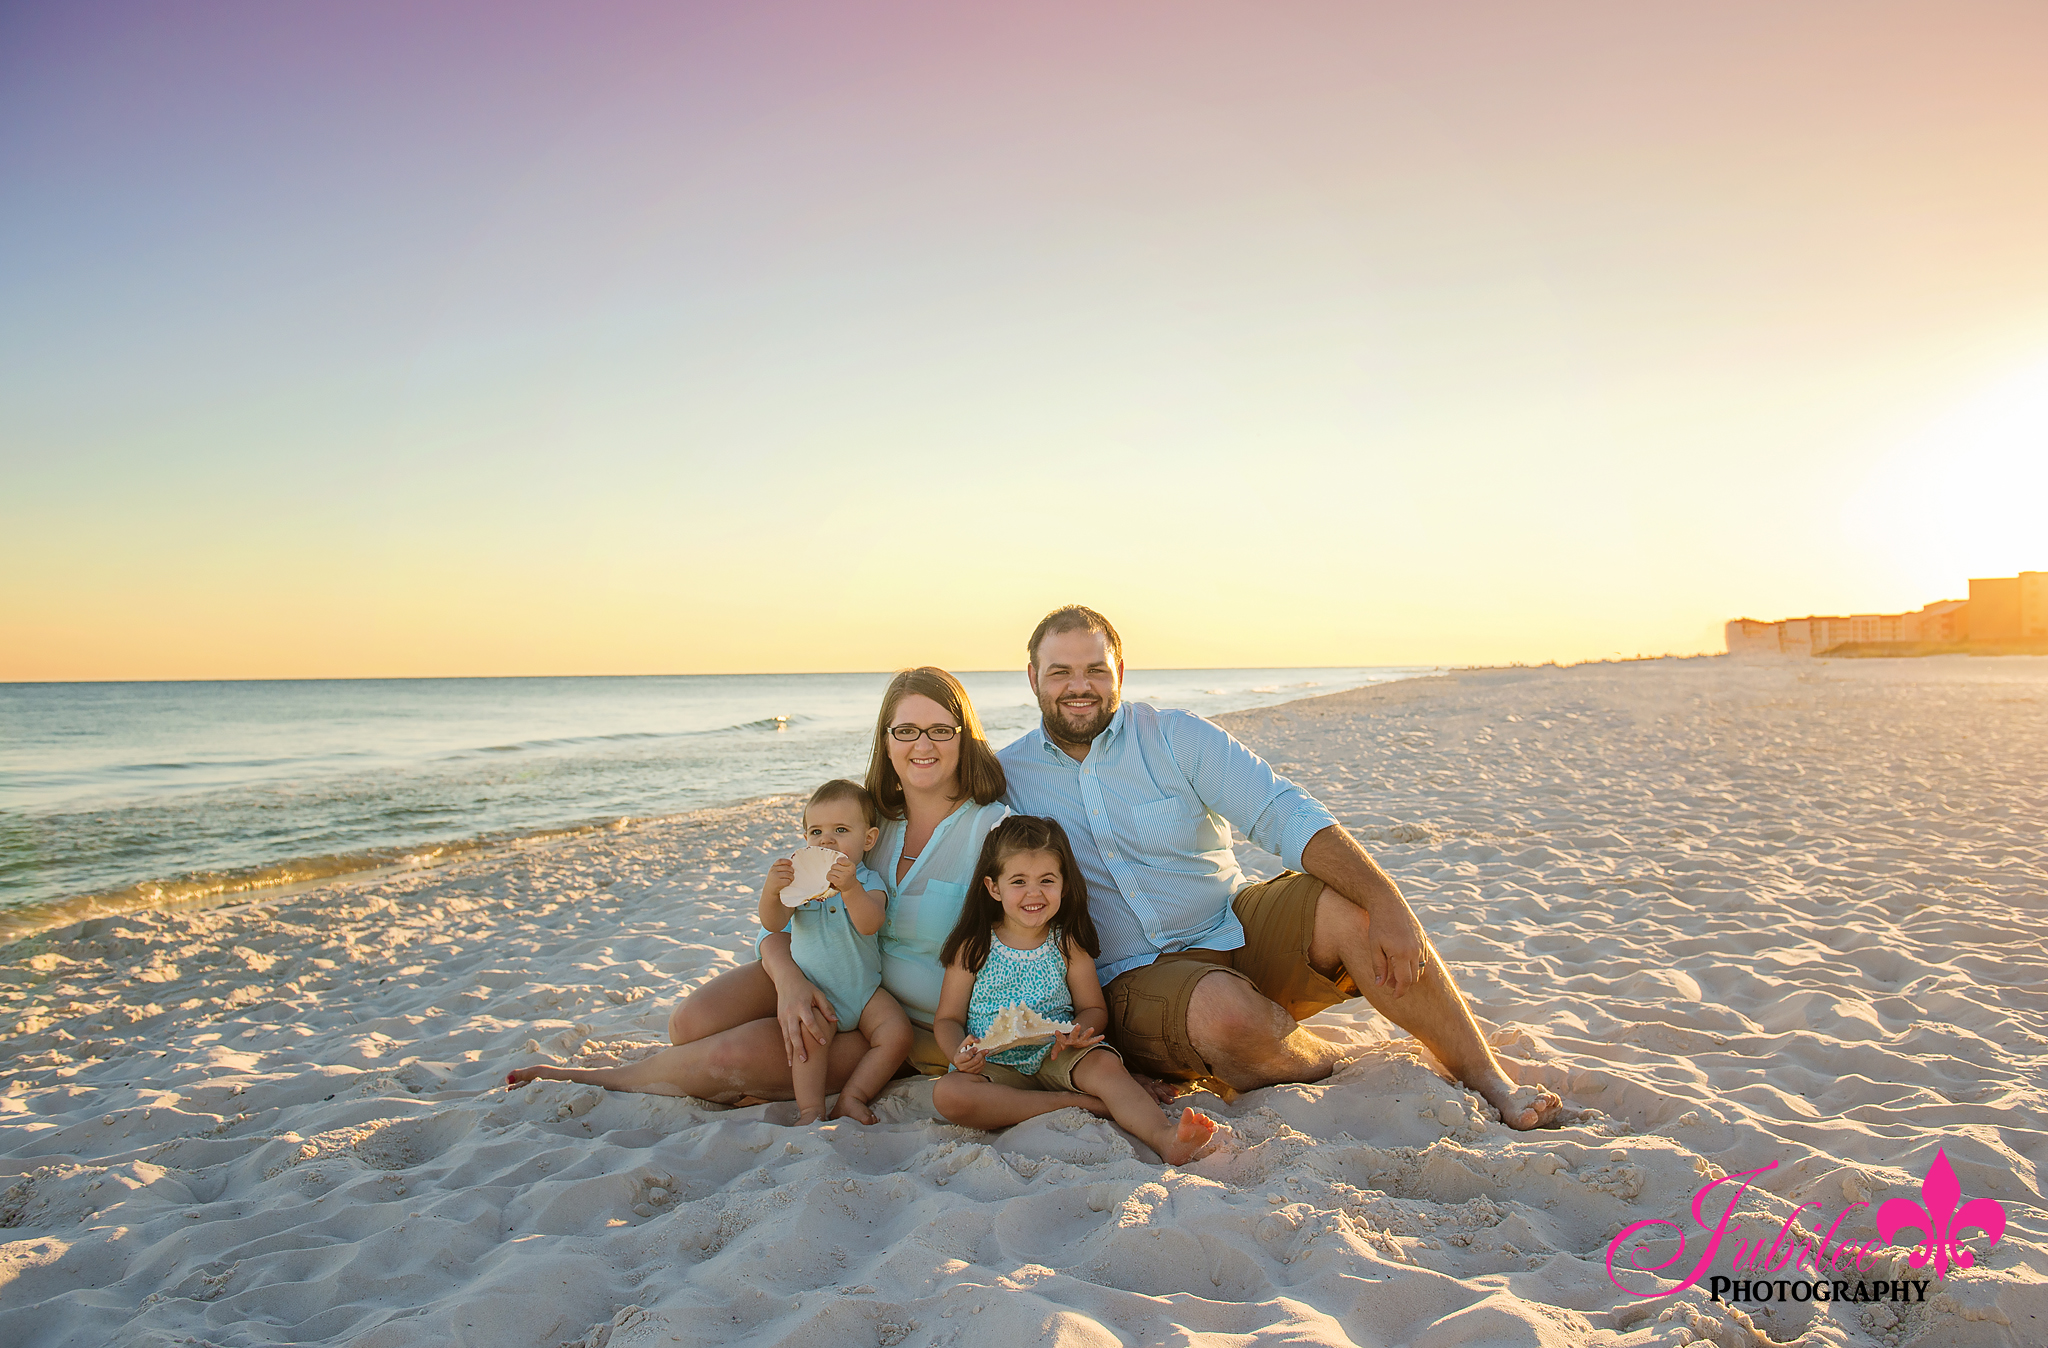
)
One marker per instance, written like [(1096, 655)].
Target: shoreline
[(234, 888), (1740, 917)]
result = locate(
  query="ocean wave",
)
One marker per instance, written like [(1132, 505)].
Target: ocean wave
[(771, 723), (197, 889)]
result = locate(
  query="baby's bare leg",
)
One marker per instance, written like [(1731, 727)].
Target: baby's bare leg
[(808, 1077), (889, 1036)]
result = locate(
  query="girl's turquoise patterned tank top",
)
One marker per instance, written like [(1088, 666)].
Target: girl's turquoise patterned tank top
[(1037, 978)]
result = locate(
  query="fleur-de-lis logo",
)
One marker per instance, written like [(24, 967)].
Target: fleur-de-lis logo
[(1941, 1220)]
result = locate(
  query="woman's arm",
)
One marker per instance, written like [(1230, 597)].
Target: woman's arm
[(798, 1005), (949, 1026)]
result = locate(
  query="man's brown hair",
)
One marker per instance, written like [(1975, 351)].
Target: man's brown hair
[(981, 776), (1075, 618), (841, 789)]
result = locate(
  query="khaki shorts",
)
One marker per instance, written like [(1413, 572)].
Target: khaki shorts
[(1056, 1073), (1148, 1007), (926, 1057)]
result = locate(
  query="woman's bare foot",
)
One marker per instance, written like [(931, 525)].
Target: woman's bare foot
[(1197, 1135), (852, 1107), (519, 1076), (1521, 1107)]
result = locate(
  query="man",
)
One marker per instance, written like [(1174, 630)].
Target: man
[(1206, 975)]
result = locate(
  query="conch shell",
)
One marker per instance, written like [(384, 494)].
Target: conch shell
[(1019, 1024)]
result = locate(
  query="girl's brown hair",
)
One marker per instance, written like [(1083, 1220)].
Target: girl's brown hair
[(981, 776), (978, 916)]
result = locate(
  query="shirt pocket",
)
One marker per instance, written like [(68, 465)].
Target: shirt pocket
[(1165, 829), (938, 909)]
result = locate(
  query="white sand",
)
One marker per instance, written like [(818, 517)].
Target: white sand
[(1788, 912)]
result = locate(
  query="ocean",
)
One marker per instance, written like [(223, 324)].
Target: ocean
[(118, 796)]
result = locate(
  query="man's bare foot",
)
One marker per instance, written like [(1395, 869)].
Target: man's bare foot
[(1521, 1107), (1197, 1135), (852, 1107)]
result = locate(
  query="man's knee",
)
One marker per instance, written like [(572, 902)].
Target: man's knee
[(1341, 926), (1228, 1013)]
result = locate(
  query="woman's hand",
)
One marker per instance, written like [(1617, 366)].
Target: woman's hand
[(1081, 1036), (799, 1006), (969, 1057)]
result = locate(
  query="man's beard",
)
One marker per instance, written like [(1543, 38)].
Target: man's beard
[(1062, 727)]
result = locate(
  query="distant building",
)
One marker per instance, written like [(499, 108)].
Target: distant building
[(2009, 609), (2008, 613)]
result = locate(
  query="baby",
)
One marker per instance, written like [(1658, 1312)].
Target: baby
[(833, 940)]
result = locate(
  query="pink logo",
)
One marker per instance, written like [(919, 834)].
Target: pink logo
[(1941, 1219)]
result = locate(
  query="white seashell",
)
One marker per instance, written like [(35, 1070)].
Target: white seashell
[(813, 864)]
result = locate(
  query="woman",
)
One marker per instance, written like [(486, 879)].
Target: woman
[(938, 784)]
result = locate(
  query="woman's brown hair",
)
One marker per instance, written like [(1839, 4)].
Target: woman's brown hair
[(976, 926), (981, 776)]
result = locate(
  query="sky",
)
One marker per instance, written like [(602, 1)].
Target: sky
[(467, 339)]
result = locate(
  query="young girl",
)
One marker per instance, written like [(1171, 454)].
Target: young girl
[(1027, 939)]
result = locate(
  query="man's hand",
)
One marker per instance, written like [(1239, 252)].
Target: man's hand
[(1400, 955)]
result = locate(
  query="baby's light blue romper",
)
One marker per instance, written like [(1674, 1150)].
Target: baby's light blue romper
[(845, 965), (1037, 978)]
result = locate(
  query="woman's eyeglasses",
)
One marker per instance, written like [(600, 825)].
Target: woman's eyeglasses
[(938, 734)]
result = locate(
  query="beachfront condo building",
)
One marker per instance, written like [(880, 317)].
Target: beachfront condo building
[(2004, 613)]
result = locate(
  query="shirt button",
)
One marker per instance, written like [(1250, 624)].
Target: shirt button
[(1112, 856)]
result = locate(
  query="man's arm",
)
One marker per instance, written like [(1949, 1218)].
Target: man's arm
[(1236, 783), (1334, 857), (1287, 821)]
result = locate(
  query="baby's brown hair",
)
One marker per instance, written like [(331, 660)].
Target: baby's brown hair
[(841, 789)]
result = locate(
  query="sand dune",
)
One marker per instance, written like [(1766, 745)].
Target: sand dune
[(1737, 913)]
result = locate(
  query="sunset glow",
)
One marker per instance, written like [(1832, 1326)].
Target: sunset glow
[(501, 339)]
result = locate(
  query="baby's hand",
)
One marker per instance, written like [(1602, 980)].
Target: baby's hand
[(780, 877), (1081, 1036), (969, 1057), (841, 876)]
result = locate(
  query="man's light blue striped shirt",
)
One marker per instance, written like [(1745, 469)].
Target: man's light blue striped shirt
[(1149, 814)]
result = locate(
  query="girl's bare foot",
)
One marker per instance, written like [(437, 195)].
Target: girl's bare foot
[(1197, 1135), (852, 1107)]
